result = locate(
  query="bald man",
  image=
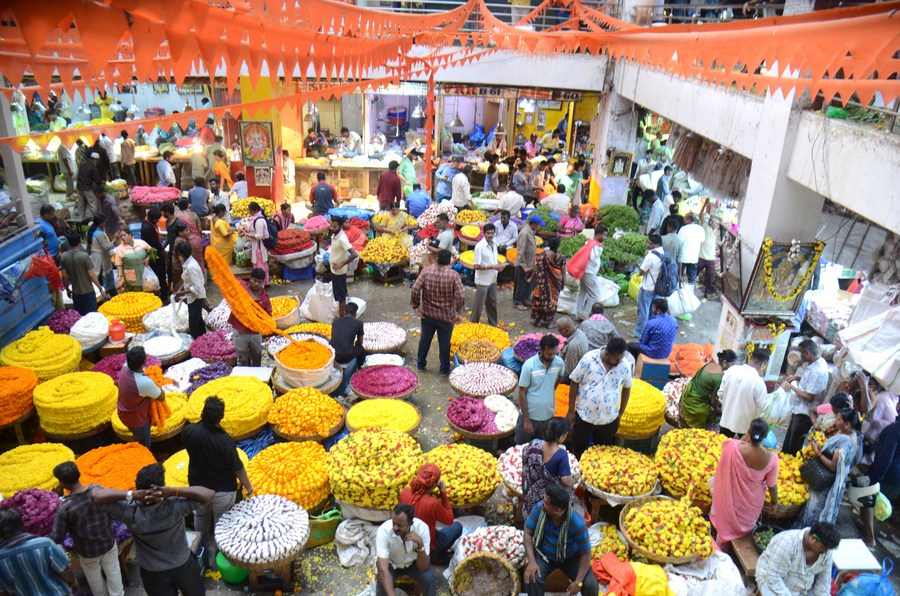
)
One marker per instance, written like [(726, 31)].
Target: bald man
[(577, 345)]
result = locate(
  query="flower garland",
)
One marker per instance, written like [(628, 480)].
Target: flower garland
[(387, 413), (38, 508), (31, 466), (114, 466), (45, 353), (61, 321), (130, 308), (243, 307), (776, 329), (205, 374), (470, 473), (112, 365), (384, 381), (767, 268), (176, 467), (247, 403), (295, 471), (16, 389), (75, 403), (213, 346)]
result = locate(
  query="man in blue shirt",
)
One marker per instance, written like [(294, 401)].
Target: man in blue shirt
[(417, 201), (48, 230), (31, 564), (556, 537), (444, 175), (659, 332), (537, 390)]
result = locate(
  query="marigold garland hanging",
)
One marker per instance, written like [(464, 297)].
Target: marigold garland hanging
[(767, 270), (247, 311)]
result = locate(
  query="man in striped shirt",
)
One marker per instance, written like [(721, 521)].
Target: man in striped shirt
[(31, 564), (556, 537)]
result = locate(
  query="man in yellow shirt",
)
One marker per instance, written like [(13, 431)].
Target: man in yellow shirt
[(550, 142), (104, 102)]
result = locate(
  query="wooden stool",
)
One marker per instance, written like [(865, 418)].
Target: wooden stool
[(652, 370), (746, 553)]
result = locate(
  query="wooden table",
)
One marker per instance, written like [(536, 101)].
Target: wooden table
[(342, 178), (51, 163)]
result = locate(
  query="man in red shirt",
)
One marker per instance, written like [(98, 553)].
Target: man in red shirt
[(135, 392), (247, 344), (390, 187), (431, 509)]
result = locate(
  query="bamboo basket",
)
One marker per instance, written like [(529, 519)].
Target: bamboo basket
[(467, 434), (485, 573), (635, 548), (127, 437), (317, 438)]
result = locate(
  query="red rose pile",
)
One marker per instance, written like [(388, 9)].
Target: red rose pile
[(292, 241)]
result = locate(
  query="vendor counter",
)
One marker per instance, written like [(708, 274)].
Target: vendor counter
[(350, 181)]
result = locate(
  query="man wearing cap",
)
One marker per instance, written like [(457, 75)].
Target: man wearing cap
[(526, 248), (89, 185)]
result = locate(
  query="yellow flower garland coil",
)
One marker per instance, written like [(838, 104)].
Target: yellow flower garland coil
[(495, 335), (618, 471), (800, 287), (471, 474), (247, 311), (130, 308), (31, 466), (645, 412), (306, 412), (45, 353), (176, 467), (323, 329), (383, 413), (369, 468), (295, 471), (75, 403), (177, 403), (247, 403)]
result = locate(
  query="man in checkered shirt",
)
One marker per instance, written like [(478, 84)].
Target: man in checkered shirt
[(798, 562)]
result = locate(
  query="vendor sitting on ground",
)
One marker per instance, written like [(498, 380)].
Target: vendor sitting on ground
[(403, 546), (432, 509), (798, 561), (659, 332), (347, 337), (556, 537)]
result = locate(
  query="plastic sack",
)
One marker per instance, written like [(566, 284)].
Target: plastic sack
[(869, 584), (634, 285), (683, 302), (508, 359), (319, 303), (354, 541), (778, 408), (609, 292), (577, 265), (567, 302), (883, 508), (150, 280)]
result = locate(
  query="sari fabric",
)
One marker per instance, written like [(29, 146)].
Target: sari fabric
[(548, 281), (739, 493)]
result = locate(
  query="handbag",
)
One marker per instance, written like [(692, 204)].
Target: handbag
[(816, 475)]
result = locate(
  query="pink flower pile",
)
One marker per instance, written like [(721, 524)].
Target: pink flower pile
[(673, 391), (213, 346), (315, 223), (149, 195), (470, 413), (505, 541), (112, 365), (61, 321), (510, 465), (38, 508), (387, 380)]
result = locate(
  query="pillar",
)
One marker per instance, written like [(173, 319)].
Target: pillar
[(12, 163), (613, 130)]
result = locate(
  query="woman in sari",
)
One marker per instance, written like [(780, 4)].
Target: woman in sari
[(700, 393), (195, 236), (101, 252), (547, 277), (394, 223), (132, 255), (840, 453), (545, 462), (746, 471), (571, 224), (221, 235)]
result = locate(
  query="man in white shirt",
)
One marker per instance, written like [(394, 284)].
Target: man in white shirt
[(692, 237), (110, 148), (288, 170), (707, 260), (164, 170), (340, 256), (808, 392), (351, 141), (650, 269), (486, 268), (461, 194), (558, 201), (239, 188), (193, 289), (506, 234), (589, 286), (743, 395), (798, 561), (657, 215), (511, 201), (217, 196), (403, 549)]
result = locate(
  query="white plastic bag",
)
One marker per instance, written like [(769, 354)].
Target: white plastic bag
[(319, 304), (683, 301), (150, 281), (778, 409), (567, 302), (609, 292), (354, 541)]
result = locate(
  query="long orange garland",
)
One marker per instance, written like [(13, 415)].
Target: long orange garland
[(159, 409)]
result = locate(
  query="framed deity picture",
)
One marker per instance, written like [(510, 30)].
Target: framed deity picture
[(262, 176), (729, 268), (790, 268), (620, 164), (257, 143)]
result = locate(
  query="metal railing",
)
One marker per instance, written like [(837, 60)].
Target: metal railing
[(684, 13)]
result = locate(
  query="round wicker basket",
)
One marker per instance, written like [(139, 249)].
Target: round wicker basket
[(366, 396), (784, 512), (620, 498), (635, 548), (505, 390), (21, 418), (485, 573), (247, 435), (403, 396), (467, 434), (298, 438), (77, 436)]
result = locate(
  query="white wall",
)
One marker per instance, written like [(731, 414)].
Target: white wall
[(145, 97)]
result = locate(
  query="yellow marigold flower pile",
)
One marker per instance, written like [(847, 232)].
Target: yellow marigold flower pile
[(177, 403), (807, 452), (305, 355), (31, 466), (383, 413), (686, 458), (176, 467), (468, 258), (470, 232), (243, 307), (247, 403), (645, 412), (471, 216), (478, 350), (241, 207), (495, 335), (75, 403), (792, 489), (130, 308), (306, 412), (323, 329), (611, 543), (114, 466), (370, 467), (384, 249), (470, 473), (295, 471), (618, 471), (283, 305), (43, 352), (16, 388), (669, 528)]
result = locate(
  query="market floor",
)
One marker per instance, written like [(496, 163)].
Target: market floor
[(318, 570)]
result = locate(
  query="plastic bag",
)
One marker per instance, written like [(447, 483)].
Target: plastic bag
[(150, 281), (577, 265), (869, 584), (354, 541), (778, 409), (319, 303), (683, 302), (609, 292), (883, 508), (634, 285)]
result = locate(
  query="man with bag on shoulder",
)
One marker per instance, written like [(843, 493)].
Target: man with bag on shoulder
[(650, 270), (742, 394), (589, 288), (807, 392)]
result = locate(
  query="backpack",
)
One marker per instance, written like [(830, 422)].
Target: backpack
[(272, 241), (667, 280)]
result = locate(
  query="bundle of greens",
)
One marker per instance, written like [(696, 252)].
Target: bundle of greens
[(629, 249), (569, 246), (550, 224), (620, 216)]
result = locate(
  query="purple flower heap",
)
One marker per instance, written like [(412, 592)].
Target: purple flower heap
[(205, 374), (526, 348), (112, 365), (38, 509), (384, 381), (120, 531), (61, 321), (470, 413), (213, 346)]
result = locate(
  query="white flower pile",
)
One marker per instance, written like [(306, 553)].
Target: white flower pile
[(262, 529), (510, 464), (276, 343), (505, 541), (429, 215), (90, 330), (218, 317), (482, 378), (161, 318), (163, 346), (506, 412), (381, 336), (181, 375), (381, 359)]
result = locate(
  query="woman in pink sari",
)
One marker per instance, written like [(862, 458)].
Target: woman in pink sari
[(570, 224), (745, 472)]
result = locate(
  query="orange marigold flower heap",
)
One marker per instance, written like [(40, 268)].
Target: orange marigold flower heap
[(247, 311), (114, 466), (305, 355), (130, 308), (156, 375), (295, 471), (16, 388), (306, 412)]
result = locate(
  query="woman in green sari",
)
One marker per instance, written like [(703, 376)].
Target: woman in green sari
[(700, 393)]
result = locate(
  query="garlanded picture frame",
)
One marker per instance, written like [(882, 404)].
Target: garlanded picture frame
[(262, 176), (257, 143), (780, 277)]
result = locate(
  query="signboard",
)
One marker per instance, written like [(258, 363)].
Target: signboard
[(509, 93)]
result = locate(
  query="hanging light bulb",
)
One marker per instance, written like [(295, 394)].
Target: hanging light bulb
[(457, 122), (418, 112)]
